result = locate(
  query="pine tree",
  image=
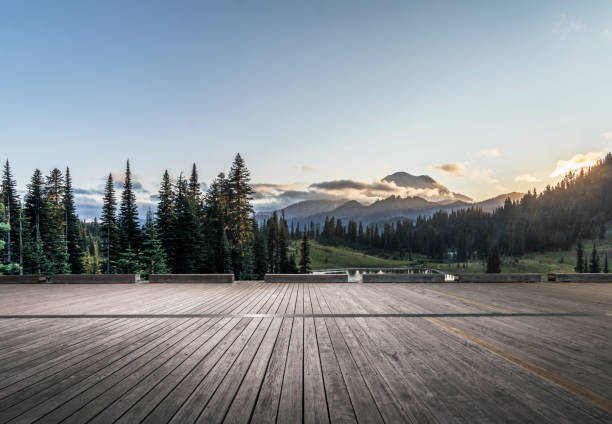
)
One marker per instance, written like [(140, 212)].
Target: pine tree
[(109, 227), (291, 265), (493, 261), (54, 238), (128, 262), (152, 257), (9, 268), (73, 235), (283, 249), (239, 211), (187, 229), (129, 229), (305, 255), (165, 218), (580, 265), (214, 226), (259, 252), (595, 267), (272, 243), (606, 269), (195, 192), (12, 210)]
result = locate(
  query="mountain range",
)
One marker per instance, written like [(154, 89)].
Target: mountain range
[(393, 207)]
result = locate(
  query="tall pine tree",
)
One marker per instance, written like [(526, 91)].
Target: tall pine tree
[(305, 254), (129, 229), (36, 216), (165, 221), (109, 228), (12, 210), (72, 234)]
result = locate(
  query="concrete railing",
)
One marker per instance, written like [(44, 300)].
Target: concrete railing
[(580, 278), (191, 278), (402, 278), (306, 278), (498, 278), (22, 279), (95, 278)]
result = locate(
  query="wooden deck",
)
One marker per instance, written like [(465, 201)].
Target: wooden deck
[(255, 352)]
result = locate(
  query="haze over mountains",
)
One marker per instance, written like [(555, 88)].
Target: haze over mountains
[(423, 196)]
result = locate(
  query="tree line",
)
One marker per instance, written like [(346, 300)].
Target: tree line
[(190, 232), (577, 207)]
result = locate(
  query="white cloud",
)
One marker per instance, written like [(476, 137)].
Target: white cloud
[(483, 175), (489, 153), (525, 178), (457, 169), (578, 161), (566, 26)]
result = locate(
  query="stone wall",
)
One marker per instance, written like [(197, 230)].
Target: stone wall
[(580, 278), (95, 278), (402, 278), (498, 278), (306, 278), (21, 279), (191, 278)]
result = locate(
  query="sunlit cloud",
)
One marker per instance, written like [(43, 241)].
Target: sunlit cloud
[(489, 153), (457, 169), (483, 175), (578, 161), (525, 178)]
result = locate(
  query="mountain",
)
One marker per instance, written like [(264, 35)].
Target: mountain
[(312, 207), (429, 186)]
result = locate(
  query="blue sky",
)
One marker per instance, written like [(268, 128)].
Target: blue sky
[(486, 97)]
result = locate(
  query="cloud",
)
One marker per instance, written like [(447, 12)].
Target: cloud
[(489, 153), (578, 161), (525, 178), (607, 135), (118, 178), (483, 175), (88, 191), (457, 169), (308, 168), (565, 27)]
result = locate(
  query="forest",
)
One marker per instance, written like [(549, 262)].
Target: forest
[(216, 232)]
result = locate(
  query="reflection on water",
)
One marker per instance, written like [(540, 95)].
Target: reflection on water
[(354, 274)]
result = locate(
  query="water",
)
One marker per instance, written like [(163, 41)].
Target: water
[(354, 274)]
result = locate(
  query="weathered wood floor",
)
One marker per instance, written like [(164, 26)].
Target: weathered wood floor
[(255, 352)]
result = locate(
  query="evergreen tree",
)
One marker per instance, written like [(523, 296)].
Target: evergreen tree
[(215, 228), (580, 265), (305, 255), (259, 253), (109, 227), (595, 268), (188, 257), (166, 219), (239, 211), (153, 257), (606, 269), (225, 256), (9, 268), (73, 236), (195, 192), (128, 262), (291, 265), (493, 261), (129, 229), (272, 244), (283, 249), (54, 238), (12, 210)]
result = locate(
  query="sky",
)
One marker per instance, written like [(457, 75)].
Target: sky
[(485, 97)]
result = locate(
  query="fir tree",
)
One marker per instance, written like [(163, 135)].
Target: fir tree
[(12, 210), (195, 192), (305, 255), (75, 254), (54, 238), (239, 210), (152, 257), (129, 229), (272, 243), (259, 253), (9, 268), (493, 261), (128, 262), (187, 230), (291, 265), (580, 265), (595, 267), (165, 218), (109, 227)]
